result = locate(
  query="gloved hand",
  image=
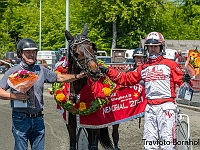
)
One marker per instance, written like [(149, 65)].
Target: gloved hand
[(186, 78), (103, 69)]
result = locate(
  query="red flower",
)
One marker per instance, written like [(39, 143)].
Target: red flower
[(60, 69), (50, 92), (106, 85), (64, 100), (101, 95), (58, 91), (65, 88), (64, 70)]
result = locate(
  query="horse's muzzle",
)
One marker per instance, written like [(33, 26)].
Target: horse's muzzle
[(95, 75)]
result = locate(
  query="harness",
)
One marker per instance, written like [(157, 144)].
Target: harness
[(79, 40)]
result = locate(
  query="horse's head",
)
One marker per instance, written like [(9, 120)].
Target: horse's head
[(82, 51)]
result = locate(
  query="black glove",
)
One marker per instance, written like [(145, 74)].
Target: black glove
[(186, 78), (103, 69)]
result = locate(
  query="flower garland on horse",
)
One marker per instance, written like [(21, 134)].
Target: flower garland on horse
[(103, 89), (103, 102)]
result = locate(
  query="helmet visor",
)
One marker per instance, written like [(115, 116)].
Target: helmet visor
[(30, 48), (152, 42), (141, 55)]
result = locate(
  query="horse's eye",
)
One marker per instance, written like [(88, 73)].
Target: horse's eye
[(76, 55)]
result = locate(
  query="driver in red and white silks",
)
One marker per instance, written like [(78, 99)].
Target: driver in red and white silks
[(160, 76)]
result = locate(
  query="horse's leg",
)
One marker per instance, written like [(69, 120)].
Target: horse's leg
[(115, 136), (71, 127), (105, 139), (93, 136)]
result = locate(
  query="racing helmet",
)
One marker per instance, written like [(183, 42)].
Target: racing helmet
[(25, 44), (139, 52), (155, 38)]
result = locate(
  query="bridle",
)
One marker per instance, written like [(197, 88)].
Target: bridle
[(82, 62)]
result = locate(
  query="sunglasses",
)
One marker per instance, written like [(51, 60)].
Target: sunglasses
[(151, 41)]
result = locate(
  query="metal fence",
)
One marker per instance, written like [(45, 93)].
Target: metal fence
[(127, 66), (121, 66)]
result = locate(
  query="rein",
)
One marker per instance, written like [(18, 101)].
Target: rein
[(83, 66)]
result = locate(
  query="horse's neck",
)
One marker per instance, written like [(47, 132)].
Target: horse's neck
[(77, 85)]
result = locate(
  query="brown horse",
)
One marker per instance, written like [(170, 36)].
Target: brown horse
[(81, 57)]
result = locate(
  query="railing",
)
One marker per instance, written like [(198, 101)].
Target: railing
[(127, 66), (121, 66)]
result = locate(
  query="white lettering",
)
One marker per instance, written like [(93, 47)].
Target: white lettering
[(134, 102), (115, 107), (107, 110)]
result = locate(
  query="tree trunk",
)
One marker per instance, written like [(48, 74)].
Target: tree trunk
[(114, 39)]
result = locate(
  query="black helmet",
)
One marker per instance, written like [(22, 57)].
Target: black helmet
[(139, 52), (25, 44)]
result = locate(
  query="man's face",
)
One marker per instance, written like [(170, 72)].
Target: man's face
[(154, 49), (139, 60), (29, 56), (179, 51)]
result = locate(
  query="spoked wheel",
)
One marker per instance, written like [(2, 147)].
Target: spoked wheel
[(183, 133), (82, 139)]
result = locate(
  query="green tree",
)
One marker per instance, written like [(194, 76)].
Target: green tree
[(133, 19)]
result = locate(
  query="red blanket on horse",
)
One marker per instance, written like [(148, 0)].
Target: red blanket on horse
[(125, 103)]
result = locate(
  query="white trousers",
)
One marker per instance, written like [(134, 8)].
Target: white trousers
[(160, 126)]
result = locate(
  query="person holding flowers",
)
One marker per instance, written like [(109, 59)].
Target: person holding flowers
[(26, 82), (160, 75)]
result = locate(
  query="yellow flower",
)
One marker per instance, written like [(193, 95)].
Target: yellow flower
[(107, 91), (57, 72), (60, 97), (193, 54), (197, 62), (82, 106)]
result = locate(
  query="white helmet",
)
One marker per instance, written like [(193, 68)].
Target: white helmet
[(155, 38)]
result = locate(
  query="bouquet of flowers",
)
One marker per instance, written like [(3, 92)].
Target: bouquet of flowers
[(193, 62), (22, 80)]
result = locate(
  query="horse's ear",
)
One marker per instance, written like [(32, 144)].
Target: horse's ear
[(68, 36), (85, 32), (94, 47)]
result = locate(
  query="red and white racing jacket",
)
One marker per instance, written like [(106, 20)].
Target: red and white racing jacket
[(160, 77)]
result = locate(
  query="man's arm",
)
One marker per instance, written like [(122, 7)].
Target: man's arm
[(69, 77), (12, 96), (123, 78)]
